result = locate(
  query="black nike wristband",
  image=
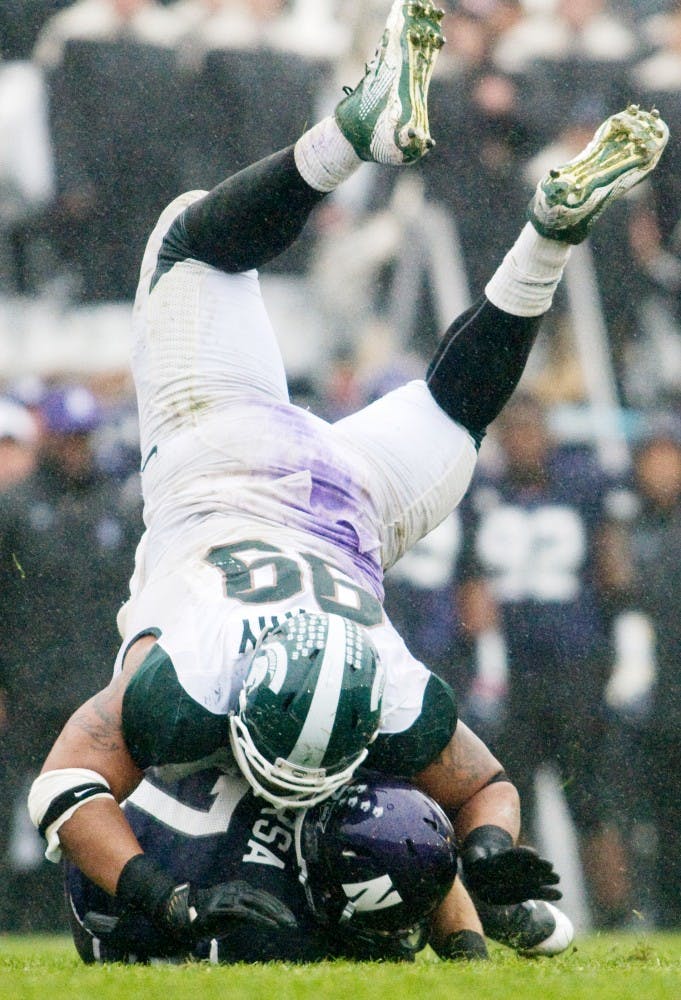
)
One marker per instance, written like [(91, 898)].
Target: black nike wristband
[(466, 945), (484, 842), (144, 885)]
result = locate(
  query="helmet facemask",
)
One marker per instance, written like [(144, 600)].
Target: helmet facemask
[(283, 784)]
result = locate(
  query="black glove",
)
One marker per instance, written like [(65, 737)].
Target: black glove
[(498, 872), (188, 914), (219, 905), (462, 946), (131, 936)]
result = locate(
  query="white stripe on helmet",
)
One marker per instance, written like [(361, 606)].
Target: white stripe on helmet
[(314, 737)]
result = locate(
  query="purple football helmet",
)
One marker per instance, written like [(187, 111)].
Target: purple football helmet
[(377, 858)]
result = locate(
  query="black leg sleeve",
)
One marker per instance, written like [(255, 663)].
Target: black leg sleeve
[(251, 217), (478, 364)]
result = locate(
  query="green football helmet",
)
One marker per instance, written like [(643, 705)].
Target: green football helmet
[(309, 708)]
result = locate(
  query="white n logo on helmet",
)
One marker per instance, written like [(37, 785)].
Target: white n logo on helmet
[(375, 894)]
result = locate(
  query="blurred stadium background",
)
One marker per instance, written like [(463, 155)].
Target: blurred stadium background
[(108, 109)]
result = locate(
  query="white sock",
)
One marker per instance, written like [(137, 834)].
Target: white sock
[(324, 157), (528, 276)]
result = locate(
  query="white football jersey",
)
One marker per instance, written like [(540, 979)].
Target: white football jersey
[(255, 508), (208, 615)]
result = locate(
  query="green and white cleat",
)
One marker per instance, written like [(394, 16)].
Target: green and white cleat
[(385, 118), (624, 150)]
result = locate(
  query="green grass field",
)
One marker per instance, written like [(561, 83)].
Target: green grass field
[(600, 967)]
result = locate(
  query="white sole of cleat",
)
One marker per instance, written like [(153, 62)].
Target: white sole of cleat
[(560, 938)]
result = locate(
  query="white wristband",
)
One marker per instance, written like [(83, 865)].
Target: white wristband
[(70, 788)]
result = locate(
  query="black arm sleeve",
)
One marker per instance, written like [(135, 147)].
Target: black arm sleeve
[(479, 362), (247, 220)]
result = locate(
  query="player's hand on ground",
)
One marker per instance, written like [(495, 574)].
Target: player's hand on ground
[(220, 905), (187, 916), (130, 933), (187, 913), (513, 876), (191, 914), (498, 872)]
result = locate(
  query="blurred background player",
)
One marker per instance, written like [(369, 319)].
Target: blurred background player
[(643, 690), (535, 582), (18, 440), (66, 530)]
